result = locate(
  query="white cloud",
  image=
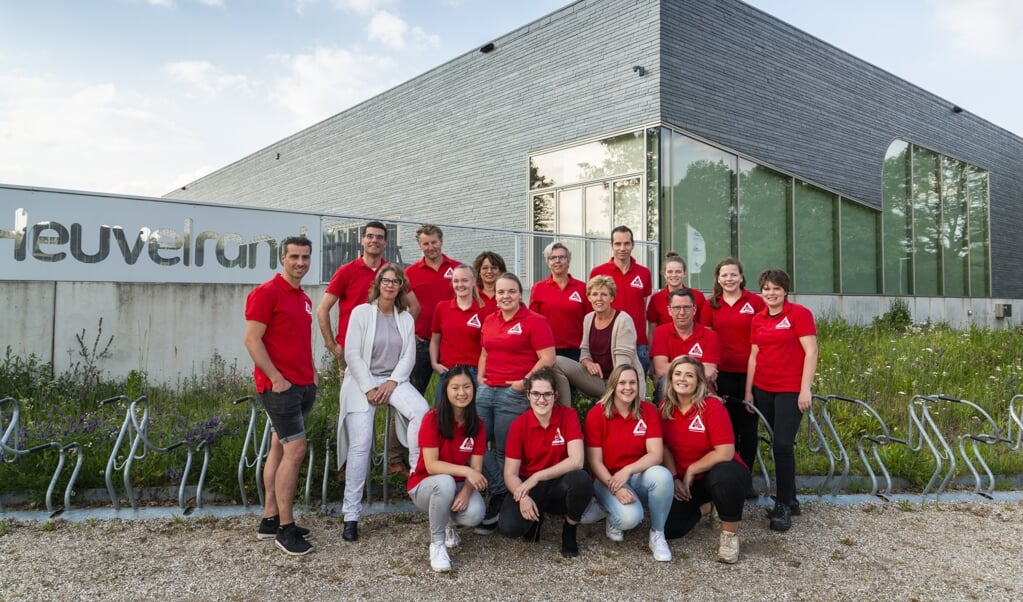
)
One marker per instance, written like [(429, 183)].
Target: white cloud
[(421, 39), (990, 29), (362, 7), (388, 29), (328, 81), (163, 3), (212, 2), (207, 78)]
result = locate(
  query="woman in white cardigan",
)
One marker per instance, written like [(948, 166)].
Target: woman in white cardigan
[(380, 349), (609, 340)]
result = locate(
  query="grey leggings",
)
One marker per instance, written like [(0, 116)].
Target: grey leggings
[(434, 496)]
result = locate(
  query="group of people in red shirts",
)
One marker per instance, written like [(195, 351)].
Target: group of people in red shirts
[(502, 422)]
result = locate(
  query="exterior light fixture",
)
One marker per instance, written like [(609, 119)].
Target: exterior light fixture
[(957, 109), (640, 70), (488, 47)]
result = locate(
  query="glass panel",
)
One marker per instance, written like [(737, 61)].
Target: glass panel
[(955, 240), (859, 248), (814, 240), (653, 145), (598, 210), (926, 222), (977, 206), (763, 218), (570, 218), (619, 155), (897, 220), (628, 206), (543, 212), (701, 207)]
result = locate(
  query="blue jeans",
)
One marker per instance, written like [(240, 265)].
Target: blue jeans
[(653, 487), (442, 379), (643, 351), (498, 407)]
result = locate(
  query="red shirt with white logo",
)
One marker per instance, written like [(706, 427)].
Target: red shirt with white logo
[(657, 310), (693, 435), (732, 323), (512, 345), (563, 308), (622, 439), (459, 331), (633, 287), (538, 447), (431, 286), (457, 450), (287, 313), (703, 344), (780, 356), (350, 284)]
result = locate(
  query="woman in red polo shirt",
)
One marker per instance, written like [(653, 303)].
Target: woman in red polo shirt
[(457, 326), (489, 266), (516, 343), (729, 312), (700, 454), (543, 467), (624, 449), (674, 273), (782, 364), (448, 478)]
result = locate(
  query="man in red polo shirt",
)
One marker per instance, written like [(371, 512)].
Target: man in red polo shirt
[(684, 336), (278, 336), (430, 280), (634, 285)]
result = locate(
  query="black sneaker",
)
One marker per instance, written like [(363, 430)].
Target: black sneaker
[(291, 543), (489, 523), (794, 509), (780, 518), (268, 528)]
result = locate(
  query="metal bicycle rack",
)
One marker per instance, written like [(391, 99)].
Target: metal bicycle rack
[(923, 430), (815, 439), (1015, 428), (10, 446), (136, 429), (993, 435)]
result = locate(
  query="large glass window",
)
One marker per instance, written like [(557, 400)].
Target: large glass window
[(859, 250), (897, 220), (814, 253), (926, 222), (955, 239), (763, 218), (977, 208), (616, 156)]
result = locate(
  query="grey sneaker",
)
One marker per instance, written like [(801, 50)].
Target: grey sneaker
[(593, 513), (728, 549), (612, 532), (451, 537)]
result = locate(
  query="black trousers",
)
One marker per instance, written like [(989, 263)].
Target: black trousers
[(568, 494), (725, 485), (744, 424)]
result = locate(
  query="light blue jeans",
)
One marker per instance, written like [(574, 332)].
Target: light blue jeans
[(434, 495), (498, 407), (653, 487)]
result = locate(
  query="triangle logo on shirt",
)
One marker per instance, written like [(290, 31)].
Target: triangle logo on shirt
[(640, 429), (449, 273), (696, 425), (784, 323), (696, 351), (468, 445), (637, 282), (308, 308), (575, 297), (517, 329), (558, 439), (474, 321), (747, 309)]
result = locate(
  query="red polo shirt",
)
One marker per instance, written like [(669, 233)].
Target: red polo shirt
[(564, 309), (633, 287), (512, 345), (780, 356), (431, 286), (621, 439), (692, 435), (732, 323), (457, 450), (657, 310), (538, 447), (350, 284), (460, 331), (288, 314), (703, 344)]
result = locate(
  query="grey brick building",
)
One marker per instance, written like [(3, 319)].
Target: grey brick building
[(708, 126)]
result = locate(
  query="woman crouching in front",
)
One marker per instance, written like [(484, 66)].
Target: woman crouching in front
[(543, 467), (700, 453), (447, 481)]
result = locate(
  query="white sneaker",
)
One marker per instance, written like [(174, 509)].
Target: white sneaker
[(659, 546), (612, 532), (451, 537), (593, 513), (439, 560), (728, 550)]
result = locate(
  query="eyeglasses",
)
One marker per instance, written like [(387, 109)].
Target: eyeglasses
[(392, 281), (375, 236), (545, 395), (558, 258), (674, 309)]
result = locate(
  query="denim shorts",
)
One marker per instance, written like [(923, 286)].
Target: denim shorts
[(287, 411)]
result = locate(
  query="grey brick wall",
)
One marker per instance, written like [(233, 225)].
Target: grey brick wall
[(746, 80)]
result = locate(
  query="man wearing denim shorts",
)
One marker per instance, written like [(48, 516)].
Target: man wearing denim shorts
[(278, 336)]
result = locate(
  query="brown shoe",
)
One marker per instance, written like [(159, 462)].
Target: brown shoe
[(396, 468)]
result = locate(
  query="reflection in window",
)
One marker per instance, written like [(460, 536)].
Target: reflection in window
[(763, 217), (859, 248), (543, 212), (897, 220), (977, 208), (926, 222), (814, 239), (955, 240), (619, 155)]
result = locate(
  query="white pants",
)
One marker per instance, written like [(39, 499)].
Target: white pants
[(359, 425)]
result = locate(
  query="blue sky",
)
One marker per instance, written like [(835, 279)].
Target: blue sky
[(142, 96)]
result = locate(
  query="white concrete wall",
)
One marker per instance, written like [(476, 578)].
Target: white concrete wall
[(957, 311)]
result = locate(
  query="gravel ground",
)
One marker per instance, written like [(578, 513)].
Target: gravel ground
[(947, 551)]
